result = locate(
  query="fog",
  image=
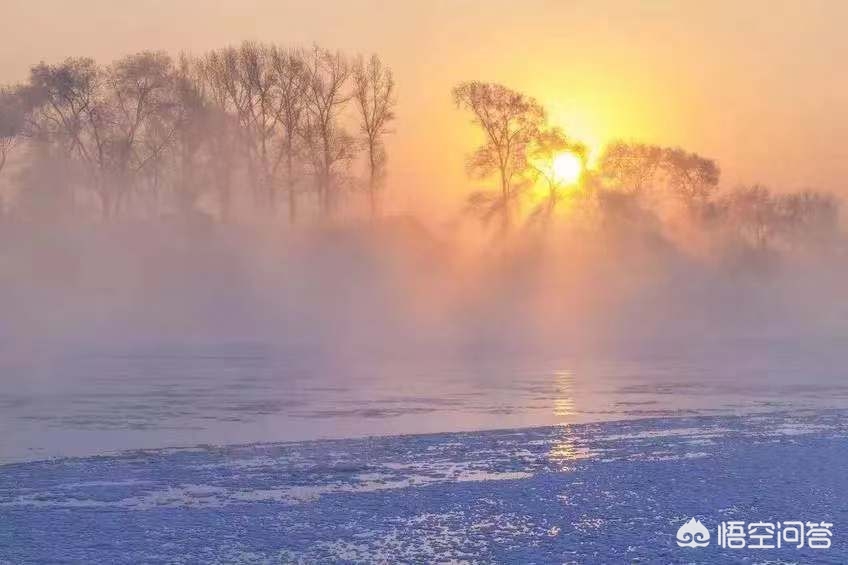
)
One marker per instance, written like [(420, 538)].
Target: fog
[(394, 287), (213, 249), (421, 281), (152, 334)]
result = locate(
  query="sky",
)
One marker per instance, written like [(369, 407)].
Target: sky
[(758, 85)]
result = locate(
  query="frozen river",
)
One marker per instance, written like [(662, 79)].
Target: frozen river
[(221, 453), (76, 403)]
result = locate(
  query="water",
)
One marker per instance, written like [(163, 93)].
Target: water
[(213, 453), (76, 402)]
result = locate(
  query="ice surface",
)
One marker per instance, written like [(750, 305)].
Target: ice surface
[(588, 493), (79, 402)]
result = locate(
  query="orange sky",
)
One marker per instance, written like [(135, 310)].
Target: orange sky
[(759, 85)]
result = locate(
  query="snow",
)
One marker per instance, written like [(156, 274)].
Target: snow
[(599, 492)]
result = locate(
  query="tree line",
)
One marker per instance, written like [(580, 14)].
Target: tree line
[(632, 183), (281, 129), (150, 134)]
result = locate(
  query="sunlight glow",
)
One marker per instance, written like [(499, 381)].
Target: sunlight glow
[(567, 168)]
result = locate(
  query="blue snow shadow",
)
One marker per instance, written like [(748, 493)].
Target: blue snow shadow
[(595, 493)]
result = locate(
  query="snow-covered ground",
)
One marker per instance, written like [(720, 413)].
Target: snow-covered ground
[(588, 493)]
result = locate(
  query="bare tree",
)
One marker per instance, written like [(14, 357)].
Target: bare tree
[(690, 177), (544, 149), (65, 96), (630, 166), (375, 98), (263, 86), (644, 170), (217, 69), (260, 117), (753, 213), (292, 82), (141, 129), (509, 121), (69, 119), (140, 91), (192, 133), (808, 217), (328, 143), (12, 119)]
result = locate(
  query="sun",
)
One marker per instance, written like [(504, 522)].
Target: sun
[(567, 168)]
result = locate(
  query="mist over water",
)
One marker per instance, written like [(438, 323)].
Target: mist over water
[(395, 286), (148, 335), (179, 264)]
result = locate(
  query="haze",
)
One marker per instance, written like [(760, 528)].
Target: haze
[(675, 185)]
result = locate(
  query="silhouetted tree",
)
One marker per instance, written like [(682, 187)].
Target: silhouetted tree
[(142, 129), (690, 177), (630, 166), (260, 114), (374, 93), (753, 213), (192, 129), (140, 92), (12, 121), (544, 148), (292, 84), (217, 69), (509, 121), (69, 122), (329, 145), (637, 167), (808, 217)]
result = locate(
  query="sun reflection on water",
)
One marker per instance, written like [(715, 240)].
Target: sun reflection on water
[(564, 401), (564, 449)]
